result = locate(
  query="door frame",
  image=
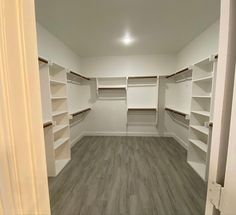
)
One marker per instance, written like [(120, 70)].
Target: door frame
[(223, 100), (23, 175)]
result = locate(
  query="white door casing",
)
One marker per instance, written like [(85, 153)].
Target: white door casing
[(223, 99), (23, 176)]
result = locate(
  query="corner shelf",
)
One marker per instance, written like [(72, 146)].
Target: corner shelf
[(204, 79), (58, 128), (201, 129), (198, 143), (182, 113), (57, 113), (54, 82), (203, 113), (60, 142)]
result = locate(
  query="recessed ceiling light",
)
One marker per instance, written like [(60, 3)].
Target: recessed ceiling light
[(127, 40)]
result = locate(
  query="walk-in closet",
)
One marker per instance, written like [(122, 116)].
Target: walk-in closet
[(128, 93)]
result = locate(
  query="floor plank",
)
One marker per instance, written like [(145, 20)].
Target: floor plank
[(127, 176)]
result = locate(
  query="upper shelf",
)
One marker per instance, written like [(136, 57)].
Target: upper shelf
[(182, 113)]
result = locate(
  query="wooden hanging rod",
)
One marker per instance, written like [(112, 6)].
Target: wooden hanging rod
[(79, 112), (47, 124), (42, 60), (177, 73), (81, 76), (176, 112), (141, 77), (111, 88), (142, 109)]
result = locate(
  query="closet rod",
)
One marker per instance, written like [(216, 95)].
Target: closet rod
[(79, 112), (81, 76), (142, 109), (176, 112), (141, 77), (177, 73), (111, 88), (47, 124), (42, 60)]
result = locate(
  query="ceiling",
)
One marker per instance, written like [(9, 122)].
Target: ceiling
[(95, 27)]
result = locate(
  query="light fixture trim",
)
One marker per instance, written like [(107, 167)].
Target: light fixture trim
[(127, 39)]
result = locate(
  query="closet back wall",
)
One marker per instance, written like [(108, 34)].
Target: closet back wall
[(108, 117)]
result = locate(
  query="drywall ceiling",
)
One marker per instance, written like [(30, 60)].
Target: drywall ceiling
[(95, 27)]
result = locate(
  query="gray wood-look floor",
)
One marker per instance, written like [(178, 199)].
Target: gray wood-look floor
[(127, 176)]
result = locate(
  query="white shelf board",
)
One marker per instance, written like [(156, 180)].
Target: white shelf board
[(203, 113), (111, 86), (57, 113), (204, 79), (201, 145), (178, 110), (60, 164), (58, 98), (60, 142), (201, 129), (142, 108), (55, 82), (201, 96), (141, 85), (200, 168), (58, 128)]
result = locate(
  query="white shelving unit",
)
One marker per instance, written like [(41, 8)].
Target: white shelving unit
[(142, 100), (110, 88), (57, 136), (201, 115)]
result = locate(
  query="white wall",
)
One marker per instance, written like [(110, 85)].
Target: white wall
[(128, 65), (52, 49), (200, 48)]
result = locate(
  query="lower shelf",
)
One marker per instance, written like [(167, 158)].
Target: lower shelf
[(198, 143), (60, 142), (199, 168), (60, 164)]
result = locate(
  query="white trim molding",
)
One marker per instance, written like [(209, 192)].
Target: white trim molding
[(23, 181)]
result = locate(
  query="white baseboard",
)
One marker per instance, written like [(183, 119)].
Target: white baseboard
[(138, 134), (179, 140), (77, 139)]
